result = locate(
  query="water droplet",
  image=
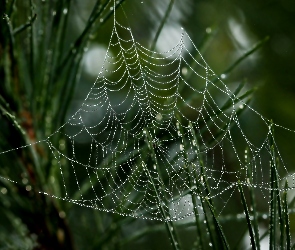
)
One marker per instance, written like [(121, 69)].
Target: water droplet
[(184, 70), (159, 117), (28, 188), (3, 190), (25, 181), (65, 11), (181, 147), (155, 167), (63, 161), (53, 12), (6, 17), (240, 216), (62, 144), (111, 8), (62, 214), (208, 30), (52, 179), (101, 20), (241, 106), (223, 76), (48, 120)]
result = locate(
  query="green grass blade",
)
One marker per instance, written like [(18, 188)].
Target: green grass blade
[(232, 97), (169, 224), (240, 240), (226, 127), (11, 8), (23, 27), (273, 216), (78, 44), (167, 13), (250, 229), (191, 179), (32, 46), (209, 225), (201, 49), (277, 206), (252, 198), (220, 234), (235, 64), (244, 56), (12, 119), (60, 48), (287, 219), (231, 101), (280, 207), (207, 189), (273, 197)]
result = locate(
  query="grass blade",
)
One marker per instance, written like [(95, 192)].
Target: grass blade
[(252, 199), (169, 224), (250, 229), (201, 49), (280, 208), (220, 233), (191, 179), (272, 198), (244, 56), (287, 220), (162, 25), (24, 26), (207, 190)]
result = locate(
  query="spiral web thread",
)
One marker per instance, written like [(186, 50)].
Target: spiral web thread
[(161, 131)]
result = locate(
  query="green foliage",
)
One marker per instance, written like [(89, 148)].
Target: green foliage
[(39, 71)]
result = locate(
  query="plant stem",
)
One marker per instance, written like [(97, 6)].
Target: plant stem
[(166, 217), (153, 46)]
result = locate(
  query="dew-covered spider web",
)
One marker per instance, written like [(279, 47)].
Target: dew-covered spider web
[(165, 132)]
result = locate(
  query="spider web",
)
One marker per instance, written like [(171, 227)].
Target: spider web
[(163, 128)]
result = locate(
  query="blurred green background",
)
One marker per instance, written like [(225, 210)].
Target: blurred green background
[(31, 221)]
